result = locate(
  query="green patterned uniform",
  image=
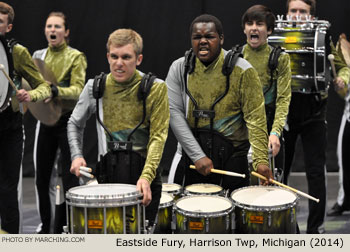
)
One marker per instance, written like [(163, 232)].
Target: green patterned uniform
[(279, 94), (25, 68), (69, 66), (239, 116), (122, 111)]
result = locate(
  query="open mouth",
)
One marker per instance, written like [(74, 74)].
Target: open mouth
[(203, 51), (53, 36), (254, 37)]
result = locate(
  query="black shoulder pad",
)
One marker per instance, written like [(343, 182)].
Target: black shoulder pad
[(145, 86), (99, 85)]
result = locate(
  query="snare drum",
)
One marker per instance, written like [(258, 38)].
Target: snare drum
[(5, 88), (264, 209), (203, 189), (202, 214), (173, 189), (163, 220), (105, 209), (306, 46)]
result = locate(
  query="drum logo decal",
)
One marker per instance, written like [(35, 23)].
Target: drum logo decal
[(256, 219), (291, 40), (95, 224), (194, 225)]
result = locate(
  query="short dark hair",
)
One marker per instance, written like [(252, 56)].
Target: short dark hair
[(311, 3), (206, 18), (6, 9), (259, 13)]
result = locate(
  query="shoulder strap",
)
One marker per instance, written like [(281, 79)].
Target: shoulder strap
[(190, 61), (231, 59), (273, 58), (99, 85), (145, 86)]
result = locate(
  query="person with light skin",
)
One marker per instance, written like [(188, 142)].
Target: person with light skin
[(258, 23), (307, 118), (68, 66), (124, 55), (234, 122), (11, 129)]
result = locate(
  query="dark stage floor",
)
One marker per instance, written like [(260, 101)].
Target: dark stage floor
[(333, 225)]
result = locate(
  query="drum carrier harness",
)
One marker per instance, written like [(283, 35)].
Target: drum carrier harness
[(217, 147), (121, 164)]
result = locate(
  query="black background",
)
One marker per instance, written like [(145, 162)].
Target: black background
[(164, 26)]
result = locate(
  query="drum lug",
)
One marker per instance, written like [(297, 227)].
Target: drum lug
[(292, 215), (269, 220), (173, 221), (227, 222), (233, 219), (243, 216), (184, 223), (206, 225)]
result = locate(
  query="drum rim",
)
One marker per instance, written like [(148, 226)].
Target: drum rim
[(188, 193), (203, 214), (103, 200), (264, 208)]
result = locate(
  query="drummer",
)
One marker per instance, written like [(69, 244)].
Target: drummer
[(220, 138), (68, 66), (11, 130), (122, 111), (307, 118), (258, 23)]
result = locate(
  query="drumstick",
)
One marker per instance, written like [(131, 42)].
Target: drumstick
[(2, 68), (86, 174), (285, 186), (86, 169), (234, 174)]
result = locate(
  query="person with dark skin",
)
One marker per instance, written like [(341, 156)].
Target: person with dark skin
[(307, 118), (11, 128), (239, 118)]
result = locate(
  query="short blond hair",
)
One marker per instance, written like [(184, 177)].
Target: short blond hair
[(7, 10), (122, 37)]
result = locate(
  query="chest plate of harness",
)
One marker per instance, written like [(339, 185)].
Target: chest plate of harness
[(120, 145), (201, 113)]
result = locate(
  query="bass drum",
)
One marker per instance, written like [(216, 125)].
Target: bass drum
[(7, 66), (306, 46)]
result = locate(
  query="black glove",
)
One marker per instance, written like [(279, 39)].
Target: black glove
[(54, 90)]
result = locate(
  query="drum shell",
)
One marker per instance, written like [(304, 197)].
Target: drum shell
[(164, 217), (264, 219), (307, 51), (188, 222), (100, 214)]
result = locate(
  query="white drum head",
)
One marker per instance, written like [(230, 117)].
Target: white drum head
[(170, 187), (203, 204), (265, 196), (106, 194), (203, 188), (166, 198)]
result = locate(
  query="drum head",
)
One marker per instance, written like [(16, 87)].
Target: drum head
[(104, 194), (5, 89), (166, 200), (263, 196), (203, 204), (203, 188), (171, 188)]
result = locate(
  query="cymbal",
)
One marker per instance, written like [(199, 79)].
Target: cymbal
[(45, 71), (47, 113), (344, 48)]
